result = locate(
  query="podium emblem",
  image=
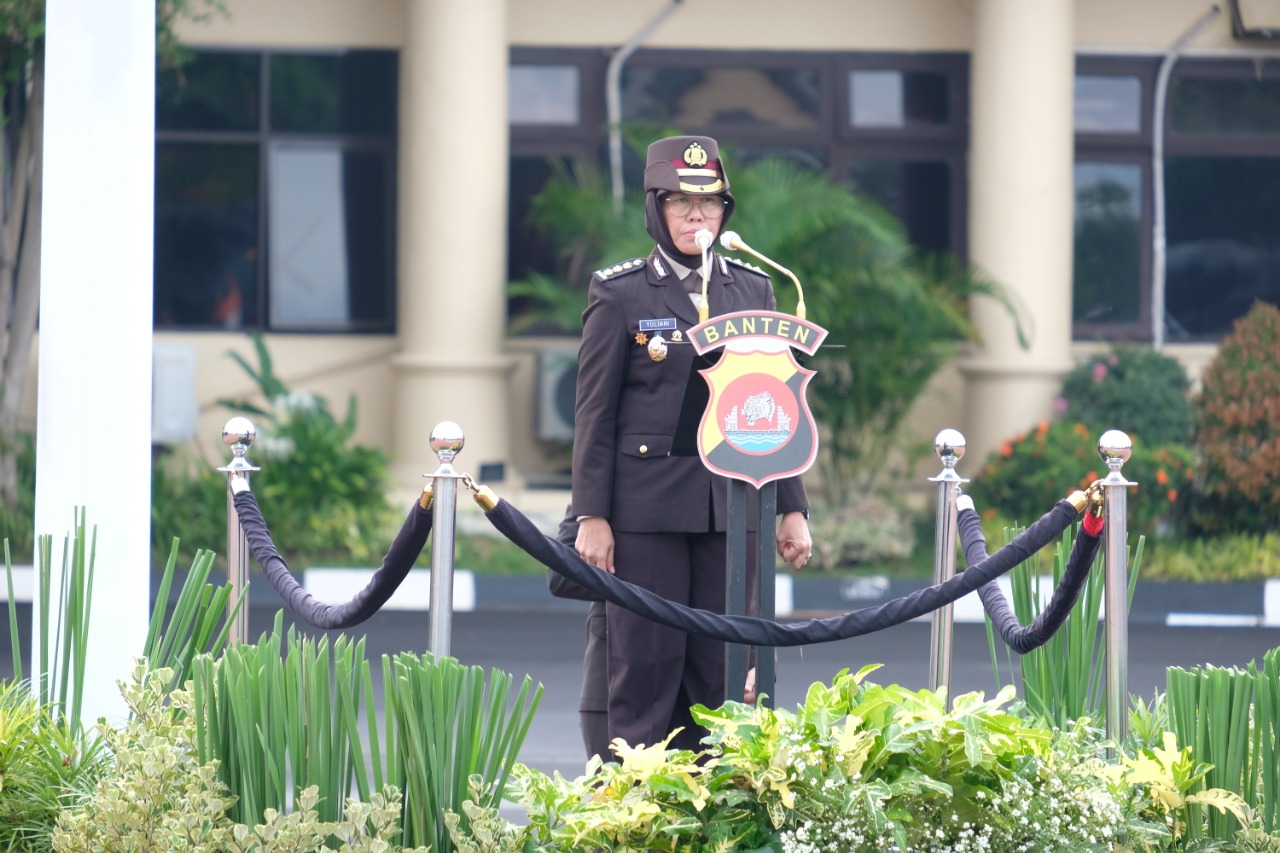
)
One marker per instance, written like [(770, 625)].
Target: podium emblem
[(757, 425)]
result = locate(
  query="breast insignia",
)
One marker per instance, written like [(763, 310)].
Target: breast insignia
[(625, 266)]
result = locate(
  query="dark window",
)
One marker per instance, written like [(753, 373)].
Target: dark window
[(1225, 97), (1224, 241), (917, 192), (275, 178), (527, 249), (206, 238), (212, 92), (1107, 269), (352, 92)]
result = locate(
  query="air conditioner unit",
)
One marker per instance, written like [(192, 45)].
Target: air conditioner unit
[(556, 392), (173, 393)]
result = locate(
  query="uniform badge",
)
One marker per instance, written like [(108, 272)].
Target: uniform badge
[(642, 338), (695, 155), (658, 348), (757, 426), (677, 336)]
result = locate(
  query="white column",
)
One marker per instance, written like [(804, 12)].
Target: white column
[(452, 236), (1021, 201), (93, 436)]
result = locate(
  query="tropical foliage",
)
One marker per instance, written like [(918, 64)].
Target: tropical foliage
[(863, 767)]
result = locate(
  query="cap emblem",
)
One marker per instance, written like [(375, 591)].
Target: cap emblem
[(695, 155)]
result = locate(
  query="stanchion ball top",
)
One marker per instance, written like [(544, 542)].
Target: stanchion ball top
[(950, 442), (238, 430), (1115, 444), (447, 437)]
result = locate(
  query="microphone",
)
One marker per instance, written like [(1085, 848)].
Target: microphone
[(704, 239), (731, 241)]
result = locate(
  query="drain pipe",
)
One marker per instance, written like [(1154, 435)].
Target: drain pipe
[(1158, 247), (613, 99)]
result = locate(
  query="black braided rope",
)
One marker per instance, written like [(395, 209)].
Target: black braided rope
[(395, 567), (1016, 636), (754, 631)]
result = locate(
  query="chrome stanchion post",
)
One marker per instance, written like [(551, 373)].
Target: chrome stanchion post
[(1115, 447), (949, 447), (447, 441), (237, 434)]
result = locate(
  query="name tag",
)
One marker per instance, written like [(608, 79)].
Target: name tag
[(658, 325)]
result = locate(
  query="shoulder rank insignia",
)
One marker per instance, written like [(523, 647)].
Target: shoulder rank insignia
[(625, 266), (746, 265)]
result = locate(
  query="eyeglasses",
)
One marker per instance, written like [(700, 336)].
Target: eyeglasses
[(711, 206)]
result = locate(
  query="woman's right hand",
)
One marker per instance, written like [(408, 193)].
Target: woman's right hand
[(595, 542)]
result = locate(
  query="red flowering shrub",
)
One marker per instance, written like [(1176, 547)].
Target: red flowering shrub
[(1030, 473), (1238, 438)]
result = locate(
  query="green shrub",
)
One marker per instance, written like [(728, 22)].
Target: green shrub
[(188, 503), (44, 763), (1028, 474), (863, 767), (1238, 436), (1131, 388), (1215, 559), (868, 531), (318, 490)]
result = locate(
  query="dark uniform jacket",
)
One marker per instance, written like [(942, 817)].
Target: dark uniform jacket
[(628, 404)]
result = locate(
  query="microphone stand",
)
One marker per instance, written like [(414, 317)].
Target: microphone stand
[(731, 240), (704, 239)]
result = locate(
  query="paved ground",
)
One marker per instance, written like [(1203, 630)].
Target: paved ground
[(547, 645)]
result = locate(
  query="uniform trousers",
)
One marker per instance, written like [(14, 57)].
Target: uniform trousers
[(656, 673), (593, 701)]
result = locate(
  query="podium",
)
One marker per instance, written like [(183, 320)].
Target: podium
[(747, 417)]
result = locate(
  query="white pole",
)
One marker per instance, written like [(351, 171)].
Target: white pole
[(93, 438)]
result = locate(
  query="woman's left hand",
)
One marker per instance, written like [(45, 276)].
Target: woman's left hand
[(794, 545)]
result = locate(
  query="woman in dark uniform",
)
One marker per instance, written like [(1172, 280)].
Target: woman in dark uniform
[(655, 519)]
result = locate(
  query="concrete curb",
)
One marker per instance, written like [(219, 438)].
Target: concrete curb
[(1247, 604)]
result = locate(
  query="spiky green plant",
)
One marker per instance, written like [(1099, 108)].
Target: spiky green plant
[(290, 713), (1062, 681)]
